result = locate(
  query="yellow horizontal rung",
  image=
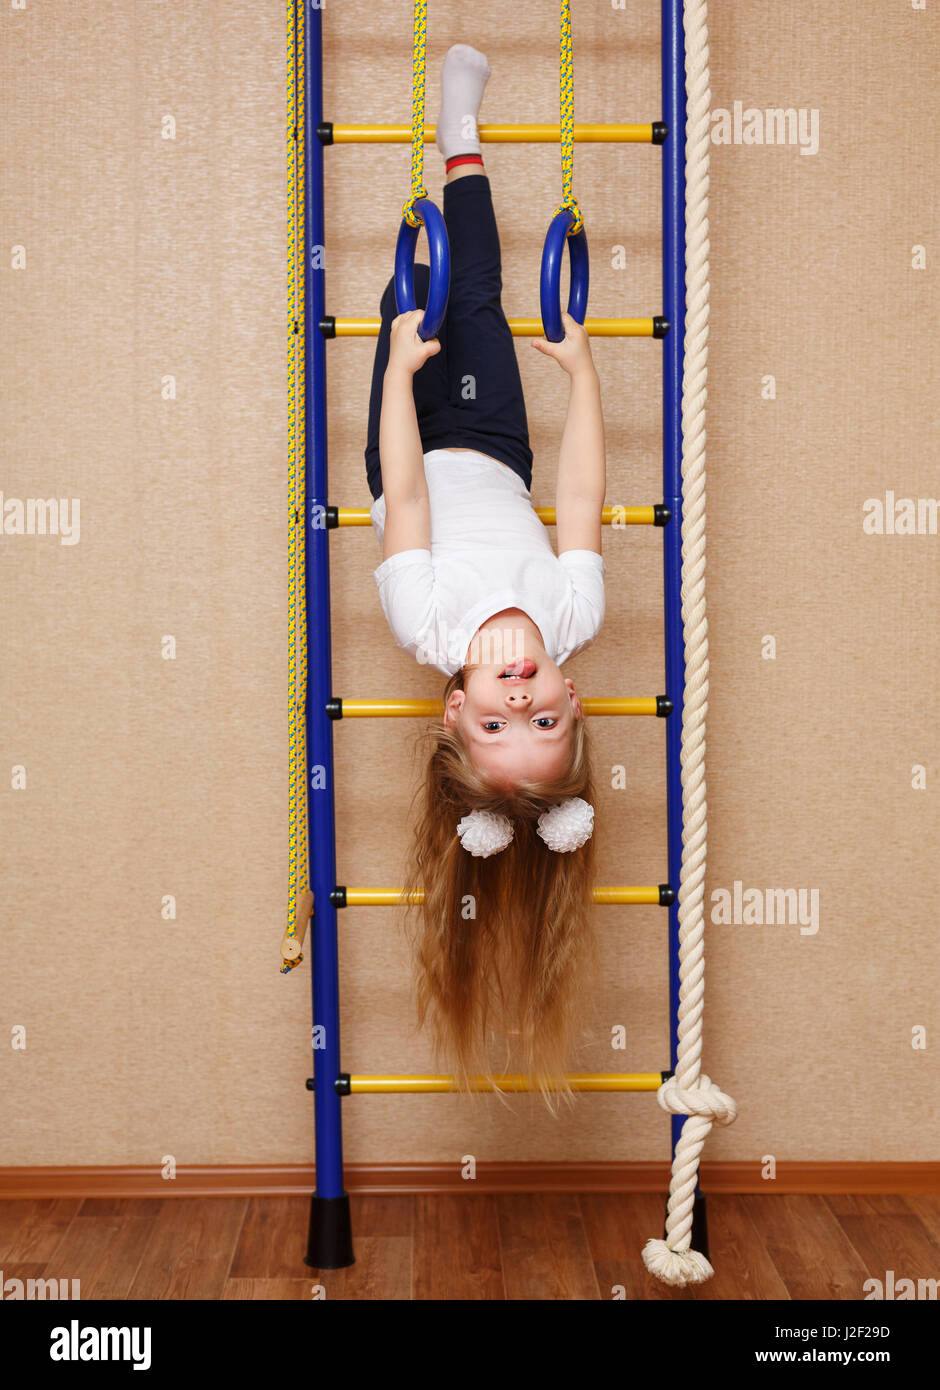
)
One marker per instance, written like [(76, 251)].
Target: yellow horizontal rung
[(392, 709), (497, 134), (640, 704), (392, 897), (430, 709), (611, 516), (581, 1081), (634, 895), (521, 328)]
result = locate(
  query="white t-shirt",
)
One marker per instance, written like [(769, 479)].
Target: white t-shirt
[(489, 551)]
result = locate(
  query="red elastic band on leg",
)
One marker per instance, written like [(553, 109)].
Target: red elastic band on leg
[(462, 159)]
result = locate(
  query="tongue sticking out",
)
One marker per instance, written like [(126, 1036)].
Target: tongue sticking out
[(524, 668)]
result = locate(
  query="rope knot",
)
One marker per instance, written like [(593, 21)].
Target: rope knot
[(704, 1099), (408, 212), (677, 1267), (570, 204)]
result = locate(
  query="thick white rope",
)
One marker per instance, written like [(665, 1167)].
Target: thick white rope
[(689, 1091)]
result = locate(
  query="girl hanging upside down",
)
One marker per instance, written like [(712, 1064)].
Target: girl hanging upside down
[(470, 584)]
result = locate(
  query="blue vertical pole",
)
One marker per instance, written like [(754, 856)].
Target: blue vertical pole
[(330, 1240), (673, 59), (674, 114)]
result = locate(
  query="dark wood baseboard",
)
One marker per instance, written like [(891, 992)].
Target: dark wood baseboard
[(257, 1180)]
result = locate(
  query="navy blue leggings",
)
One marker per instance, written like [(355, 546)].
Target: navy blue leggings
[(470, 394)]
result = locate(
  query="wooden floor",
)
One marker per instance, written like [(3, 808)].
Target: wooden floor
[(466, 1247)]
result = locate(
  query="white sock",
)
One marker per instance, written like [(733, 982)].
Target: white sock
[(463, 78)]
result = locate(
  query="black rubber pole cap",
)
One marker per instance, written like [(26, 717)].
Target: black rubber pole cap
[(329, 1243)]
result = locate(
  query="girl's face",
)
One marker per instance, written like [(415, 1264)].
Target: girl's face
[(516, 720)]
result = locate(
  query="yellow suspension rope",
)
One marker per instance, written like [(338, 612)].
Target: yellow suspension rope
[(568, 202), (300, 899), (418, 75)]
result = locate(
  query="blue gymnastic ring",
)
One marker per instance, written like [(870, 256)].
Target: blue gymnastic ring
[(550, 289), (439, 251)]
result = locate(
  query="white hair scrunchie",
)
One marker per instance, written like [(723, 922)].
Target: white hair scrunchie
[(483, 833), (568, 825), (564, 827)]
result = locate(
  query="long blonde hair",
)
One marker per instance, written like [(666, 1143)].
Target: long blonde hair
[(501, 942)]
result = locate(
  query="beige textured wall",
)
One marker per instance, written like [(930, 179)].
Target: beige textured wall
[(148, 258)]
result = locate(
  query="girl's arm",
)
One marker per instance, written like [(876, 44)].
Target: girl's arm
[(582, 459), (408, 510)]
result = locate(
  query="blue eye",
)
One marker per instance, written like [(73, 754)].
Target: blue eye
[(545, 722), (492, 726)]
